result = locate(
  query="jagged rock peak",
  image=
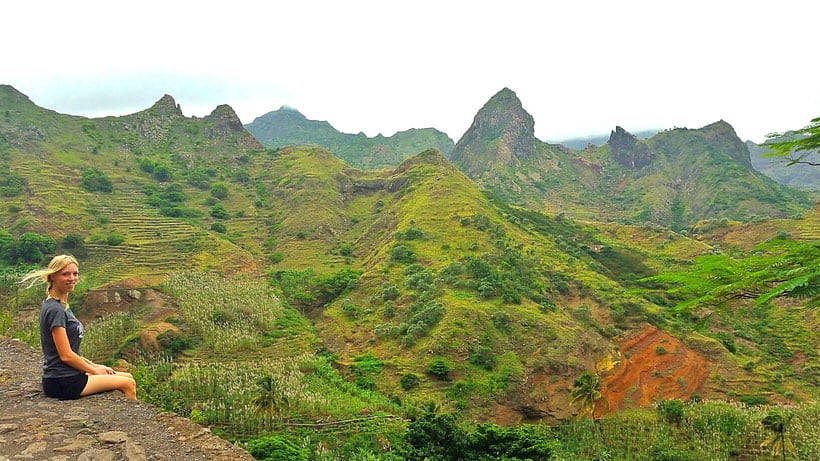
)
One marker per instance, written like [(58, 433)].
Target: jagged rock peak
[(166, 106), (223, 112), (723, 135), (627, 150), (503, 124), (224, 120)]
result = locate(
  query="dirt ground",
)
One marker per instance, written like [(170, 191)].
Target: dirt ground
[(103, 427)]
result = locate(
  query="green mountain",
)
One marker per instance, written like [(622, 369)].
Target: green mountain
[(674, 179), (288, 127), (209, 263), (798, 176), (581, 143)]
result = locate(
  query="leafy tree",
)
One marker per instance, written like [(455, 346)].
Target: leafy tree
[(778, 442), (779, 267), (11, 184), (32, 247), (95, 180), (276, 448), (219, 190), (586, 392), (435, 437), (801, 147), (269, 399), (72, 242), (218, 211), (8, 250), (440, 367)]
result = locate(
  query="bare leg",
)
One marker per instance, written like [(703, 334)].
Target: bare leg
[(120, 381)]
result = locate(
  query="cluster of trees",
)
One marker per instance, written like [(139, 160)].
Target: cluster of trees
[(29, 248)]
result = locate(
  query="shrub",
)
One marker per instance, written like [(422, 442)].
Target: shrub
[(219, 190), (114, 239), (276, 448), (440, 367), (402, 253), (389, 292), (218, 211), (409, 381), (219, 227), (72, 241), (95, 180), (672, 410)]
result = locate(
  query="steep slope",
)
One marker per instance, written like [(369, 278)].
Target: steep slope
[(148, 159), (288, 127), (442, 291), (674, 178), (799, 176)]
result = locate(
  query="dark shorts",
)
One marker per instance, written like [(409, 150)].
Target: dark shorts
[(68, 388)]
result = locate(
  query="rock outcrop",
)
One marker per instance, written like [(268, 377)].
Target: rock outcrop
[(98, 427), (502, 133)]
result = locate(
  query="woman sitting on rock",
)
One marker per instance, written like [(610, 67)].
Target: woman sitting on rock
[(66, 374)]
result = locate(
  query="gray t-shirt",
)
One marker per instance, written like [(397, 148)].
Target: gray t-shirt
[(54, 314)]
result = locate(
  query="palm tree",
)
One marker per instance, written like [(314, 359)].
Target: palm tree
[(586, 391), (268, 400), (778, 442)]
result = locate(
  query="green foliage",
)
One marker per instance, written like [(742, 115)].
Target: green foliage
[(11, 184), (276, 448), (221, 229), (425, 314), (389, 292), (672, 410), (72, 242), (174, 341), (484, 357), (218, 211), (409, 381), (441, 437), (94, 180), (31, 247), (305, 289), (776, 268), (411, 233), (802, 147), (219, 190), (779, 442), (440, 367), (114, 239), (586, 391), (402, 253)]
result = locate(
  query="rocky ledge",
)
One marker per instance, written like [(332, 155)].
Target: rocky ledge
[(103, 427)]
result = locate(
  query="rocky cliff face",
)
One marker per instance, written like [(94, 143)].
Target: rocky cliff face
[(627, 150), (502, 134), (723, 137)]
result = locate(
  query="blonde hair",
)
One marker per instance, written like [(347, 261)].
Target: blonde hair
[(57, 264)]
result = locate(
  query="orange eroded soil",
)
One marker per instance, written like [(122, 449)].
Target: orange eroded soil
[(652, 366)]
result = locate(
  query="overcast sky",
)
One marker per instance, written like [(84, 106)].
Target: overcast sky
[(579, 67)]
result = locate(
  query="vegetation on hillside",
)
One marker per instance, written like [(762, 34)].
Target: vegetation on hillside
[(315, 311)]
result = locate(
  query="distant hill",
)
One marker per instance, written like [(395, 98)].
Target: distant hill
[(799, 176), (674, 178), (583, 142), (288, 127)]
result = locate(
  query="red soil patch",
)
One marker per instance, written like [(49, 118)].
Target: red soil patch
[(653, 366)]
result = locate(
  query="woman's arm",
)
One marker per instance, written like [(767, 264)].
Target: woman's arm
[(72, 359)]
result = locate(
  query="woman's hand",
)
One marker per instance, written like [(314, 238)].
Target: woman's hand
[(103, 370)]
